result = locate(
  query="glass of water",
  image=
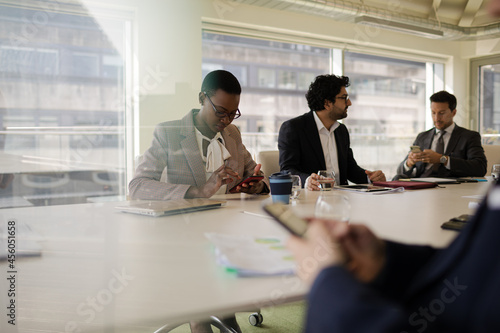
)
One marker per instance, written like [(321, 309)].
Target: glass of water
[(296, 187), (326, 179), (334, 206), (495, 172)]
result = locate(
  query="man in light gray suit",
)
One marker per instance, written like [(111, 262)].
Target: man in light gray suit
[(447, 150), (201, 153)]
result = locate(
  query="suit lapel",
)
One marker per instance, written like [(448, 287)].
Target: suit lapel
[(428, 139), (454, 138), (312, 135), (191, 150), (233, 162)]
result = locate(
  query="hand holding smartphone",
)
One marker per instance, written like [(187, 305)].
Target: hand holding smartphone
[(415, 149), (284, 216), (251, 179)]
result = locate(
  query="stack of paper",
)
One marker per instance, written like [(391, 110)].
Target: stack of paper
[(252, 256)]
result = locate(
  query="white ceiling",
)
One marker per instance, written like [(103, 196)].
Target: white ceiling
[(463, 13), (457, 19)]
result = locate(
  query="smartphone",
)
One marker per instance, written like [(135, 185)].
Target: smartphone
[(251, 179), (284, 216), (415, 149)]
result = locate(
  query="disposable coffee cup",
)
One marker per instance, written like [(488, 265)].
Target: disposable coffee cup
[(281, 187)]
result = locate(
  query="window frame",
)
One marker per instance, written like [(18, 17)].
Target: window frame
[(476, 118)]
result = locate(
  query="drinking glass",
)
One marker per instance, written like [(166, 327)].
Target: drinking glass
[(296, 187), (334, 206), (495, 172), (326, 179)]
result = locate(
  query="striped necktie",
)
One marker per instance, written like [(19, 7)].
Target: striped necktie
[(439, 150)]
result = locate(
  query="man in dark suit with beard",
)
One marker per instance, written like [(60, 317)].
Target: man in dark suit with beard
[(447, 150), (317, 141)]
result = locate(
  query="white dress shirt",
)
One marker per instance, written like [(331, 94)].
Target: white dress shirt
[(216, 155), (329, 145)]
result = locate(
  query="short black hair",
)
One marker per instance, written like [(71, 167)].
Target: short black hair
[(445, 97), (220, 79), (325, 87)]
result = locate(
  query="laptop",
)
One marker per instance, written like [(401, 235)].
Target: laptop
[(170, 207), (435, 180)]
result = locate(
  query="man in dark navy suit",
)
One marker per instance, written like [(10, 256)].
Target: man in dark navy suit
[(317, 141)]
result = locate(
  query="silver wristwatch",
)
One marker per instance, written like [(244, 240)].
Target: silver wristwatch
[(443, 159)]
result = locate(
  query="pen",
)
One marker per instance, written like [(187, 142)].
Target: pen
[(255, 214)]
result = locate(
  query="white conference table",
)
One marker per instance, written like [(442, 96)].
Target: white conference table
[(105, 271)]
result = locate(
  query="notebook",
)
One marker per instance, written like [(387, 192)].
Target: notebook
[(363, 188), (407, 185), (170, 207), (435, 180)]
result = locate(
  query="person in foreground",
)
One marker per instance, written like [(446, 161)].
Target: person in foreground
[(317, 141), (202, 153), (448, 150), (361, 283)]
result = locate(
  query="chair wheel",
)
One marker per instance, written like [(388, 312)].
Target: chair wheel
[(255, 319)]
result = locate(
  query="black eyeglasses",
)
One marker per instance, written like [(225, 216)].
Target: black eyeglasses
[(221, 114), (345, 98)]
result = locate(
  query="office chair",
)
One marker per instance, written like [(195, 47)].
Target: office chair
[(270, 161), (255, 319), (492, 153)]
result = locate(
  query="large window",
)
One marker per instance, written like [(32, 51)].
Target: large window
[(388, 94), (389, 108), (486, 88), (274, 77), (62, 105)]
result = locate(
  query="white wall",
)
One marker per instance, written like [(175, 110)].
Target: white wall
[(168, 57)]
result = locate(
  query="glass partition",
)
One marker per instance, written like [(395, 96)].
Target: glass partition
[(62, 109)]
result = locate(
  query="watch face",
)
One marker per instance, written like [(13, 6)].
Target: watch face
[(443, 159)]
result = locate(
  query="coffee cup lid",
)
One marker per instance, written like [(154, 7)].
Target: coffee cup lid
[(281, 175)]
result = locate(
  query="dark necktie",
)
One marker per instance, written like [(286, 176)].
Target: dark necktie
[(439, 150)]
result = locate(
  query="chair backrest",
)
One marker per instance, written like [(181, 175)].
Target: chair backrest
[(270, 161), (492, 153)]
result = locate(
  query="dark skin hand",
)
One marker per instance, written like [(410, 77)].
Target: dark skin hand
[(252, 187)]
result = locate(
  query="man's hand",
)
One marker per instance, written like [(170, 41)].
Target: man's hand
[(413, 158), (430, 156), (219, 177), (330, 243), (317, 250), (312, 182), (365, 252), (252, 187), (376, 176)]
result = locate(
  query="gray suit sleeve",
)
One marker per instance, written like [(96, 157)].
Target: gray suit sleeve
[(146, 184)]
